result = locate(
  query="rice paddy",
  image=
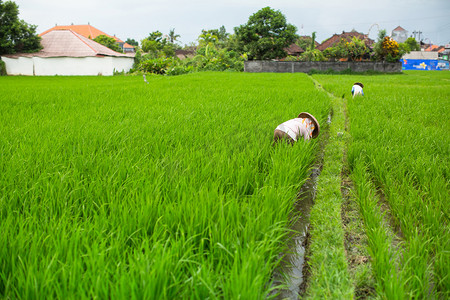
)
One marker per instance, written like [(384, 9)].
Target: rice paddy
[(113, 188)]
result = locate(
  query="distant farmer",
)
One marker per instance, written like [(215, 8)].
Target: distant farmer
[(305, 125), (357, 89)]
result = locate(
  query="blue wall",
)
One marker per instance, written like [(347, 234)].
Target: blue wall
[(424, 64)]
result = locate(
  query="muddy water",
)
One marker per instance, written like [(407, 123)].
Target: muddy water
[(290, 273)]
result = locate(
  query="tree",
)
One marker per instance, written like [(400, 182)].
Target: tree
[(132, 42), (352, 50), (156, 45), (311, 53), (108, 42), (386, 49), (172, 36), (15, 34), (266, 35), (207, 37), (412, 44)]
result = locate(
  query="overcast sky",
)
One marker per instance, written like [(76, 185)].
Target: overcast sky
[(137, 18)]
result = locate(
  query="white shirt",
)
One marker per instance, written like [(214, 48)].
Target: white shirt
[(298, 127), (357, 90)]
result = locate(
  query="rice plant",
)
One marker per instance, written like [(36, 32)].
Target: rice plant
[(113, 188), (400, 136)]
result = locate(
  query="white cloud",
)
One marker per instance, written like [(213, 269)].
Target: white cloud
[(137, 18)]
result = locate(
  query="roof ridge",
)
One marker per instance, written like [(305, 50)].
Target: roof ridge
[(78, 36), (90, 31)]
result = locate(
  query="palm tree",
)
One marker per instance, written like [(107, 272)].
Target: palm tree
[(172, 36)]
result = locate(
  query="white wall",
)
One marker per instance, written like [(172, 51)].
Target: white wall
[(50, 66), (19, 66), (421, 55)]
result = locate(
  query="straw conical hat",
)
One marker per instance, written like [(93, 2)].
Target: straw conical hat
[(316, 131)]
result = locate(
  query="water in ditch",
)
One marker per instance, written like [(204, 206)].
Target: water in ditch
[(290, 273)]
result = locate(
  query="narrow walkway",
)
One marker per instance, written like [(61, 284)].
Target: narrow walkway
[(328, 259)]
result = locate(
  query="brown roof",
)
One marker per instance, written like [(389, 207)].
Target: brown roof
[(87, 31), (435, 48), (294, 49), (184, 53), (344, 35), (126, 45), (399, 28), (67, 43)]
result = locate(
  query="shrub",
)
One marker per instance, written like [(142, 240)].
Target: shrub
[(157, 65), (179, 70), (2, 68)]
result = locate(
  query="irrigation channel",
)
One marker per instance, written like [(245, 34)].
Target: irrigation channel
[(292, 272), (293, 266)]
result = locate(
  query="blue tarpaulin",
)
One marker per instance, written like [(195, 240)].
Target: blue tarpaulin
[(424, 64)]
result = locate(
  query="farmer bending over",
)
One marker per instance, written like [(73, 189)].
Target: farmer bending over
[(357, 89), (304, 125)]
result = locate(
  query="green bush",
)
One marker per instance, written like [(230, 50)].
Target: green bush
[(158, 65), (2, 68), (179, 70)]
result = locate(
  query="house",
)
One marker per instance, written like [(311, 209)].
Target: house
[(336, 38), (294, 50), (90, 32), (185, 53), (66, 52), (127, 48), (399, 34), (435, 48)]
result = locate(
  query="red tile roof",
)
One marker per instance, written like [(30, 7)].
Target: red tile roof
[(126, 45), (294, 49), (399, 28), (347, 36), (87, 31), (67, 43), (435, 48)]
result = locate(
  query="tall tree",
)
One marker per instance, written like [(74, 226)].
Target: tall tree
[(157, 45), (15, 34), (266, 35), (173, 36)]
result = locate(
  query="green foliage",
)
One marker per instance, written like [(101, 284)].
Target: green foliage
[(15, 34), (173, 36), (116, 189), (312, 45), (158, 46), (265, 35), (212, 54), (330, 278), (352, 50), (210, 58), (399, 161), (218, 37), (304, 42), (386, 49), (2, 68), (158, 65), (108, 42), (312, 55), (206, 38), (411, 44), (132, 42)]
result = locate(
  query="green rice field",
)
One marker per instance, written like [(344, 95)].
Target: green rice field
[(111, 188)]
